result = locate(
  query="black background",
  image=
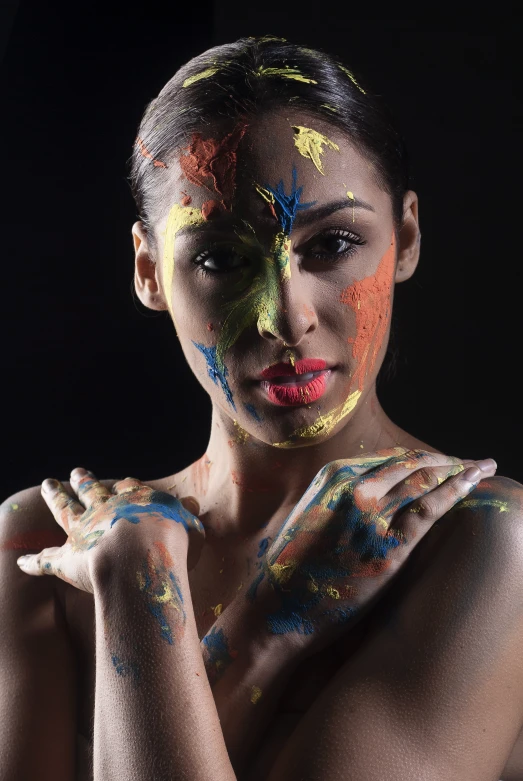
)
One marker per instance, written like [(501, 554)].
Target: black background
[(89, 375)]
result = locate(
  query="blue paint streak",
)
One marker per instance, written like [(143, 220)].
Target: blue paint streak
[(162, 503), (216, 375), (126, 669), (262, 546), (251, 591), (251, 409), (288, 205)]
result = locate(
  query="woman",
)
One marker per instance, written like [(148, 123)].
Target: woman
[(278, 609)]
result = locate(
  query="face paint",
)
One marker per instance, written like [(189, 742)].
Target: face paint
[(251, 409), (240, 435), (126, 669), (351, 77), (161, 590), (179, 217), (214, 160), (146, 153), (370, 301), (202, 75), (286, 73), (309, 143), (351, 197)]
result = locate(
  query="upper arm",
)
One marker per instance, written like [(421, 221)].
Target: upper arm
[(37, 672), (437, 691)]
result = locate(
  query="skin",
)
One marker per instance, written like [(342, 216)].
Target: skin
[(250, 481), (313, 317)]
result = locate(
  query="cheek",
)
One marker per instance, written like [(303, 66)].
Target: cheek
[(370, 301)]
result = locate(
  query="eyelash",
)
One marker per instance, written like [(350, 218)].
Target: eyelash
[(354, 242)]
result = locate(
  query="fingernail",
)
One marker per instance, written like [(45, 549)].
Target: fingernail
[(50, 484), (487, 464), (79, 472), (21, 560)]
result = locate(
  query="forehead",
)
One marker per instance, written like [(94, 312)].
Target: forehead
[(326, 162)]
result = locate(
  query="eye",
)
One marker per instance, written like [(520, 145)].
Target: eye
[(219, 261), (333, 244)]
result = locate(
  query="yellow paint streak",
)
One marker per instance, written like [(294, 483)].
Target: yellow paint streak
[(217, 609), (309, 143), (332, 592), (324, 424), (351, 197), (265, 194), (286, 73), (351, 77), (499, 503), (15, 507), (202, 75), (240, 435), (283, 572), (312, 586), (330, 108), (256, 693), (179, 217)]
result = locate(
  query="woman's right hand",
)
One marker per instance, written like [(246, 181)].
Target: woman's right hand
[(352, 530)]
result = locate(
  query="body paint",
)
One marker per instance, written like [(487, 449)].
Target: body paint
[(161, 590), (309, 143), (369, 298), (217, 656), (251, 409), (240, 435), (351, 77), (214, 160), (145, 152), (202, 75), (216, 370), (126, 669), (256, 693), (179, 217), (286, 73)]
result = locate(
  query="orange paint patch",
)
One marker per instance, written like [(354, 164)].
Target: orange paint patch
[(186, 200), (200, 471), (211, 209), (253, 487), (214, 161), (145, 152), (165, 556), (369, 299)]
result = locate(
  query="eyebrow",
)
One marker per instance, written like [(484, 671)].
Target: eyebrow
[(305, 217)]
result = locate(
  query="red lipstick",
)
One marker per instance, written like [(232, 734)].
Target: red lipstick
[(284, 385)]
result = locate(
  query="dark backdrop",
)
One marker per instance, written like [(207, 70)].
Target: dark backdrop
[(90, 377)]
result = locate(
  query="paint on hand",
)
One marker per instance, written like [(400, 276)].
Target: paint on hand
[(162, 592), (217, 655), (287, 73), (145, 152), (202, 75), (351, 77), (218, 373), (310, 143)]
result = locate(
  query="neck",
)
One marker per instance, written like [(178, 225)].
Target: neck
[(242, 483)]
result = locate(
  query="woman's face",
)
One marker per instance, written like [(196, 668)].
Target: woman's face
[(278, 247)]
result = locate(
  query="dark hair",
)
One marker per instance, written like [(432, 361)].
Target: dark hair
[(247, 78)]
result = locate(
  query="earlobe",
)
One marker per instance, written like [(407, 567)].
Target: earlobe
[(409, 236), (146, 275)]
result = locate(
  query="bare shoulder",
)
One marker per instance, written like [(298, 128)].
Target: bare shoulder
[(436, 690)]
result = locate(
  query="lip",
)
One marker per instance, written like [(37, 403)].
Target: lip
[(303, 366), (292, 395)]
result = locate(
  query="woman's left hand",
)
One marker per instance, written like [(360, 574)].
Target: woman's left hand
[(141, 514)]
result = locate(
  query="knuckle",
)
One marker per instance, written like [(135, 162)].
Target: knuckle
[(428, 477), (426, 508)]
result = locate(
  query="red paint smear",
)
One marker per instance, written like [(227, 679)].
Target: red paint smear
[(35, 540), (145, 152), (211, 209), (216, 160), (165, 556), (200, 475), (372, 317), (253, 488), (210, 327)]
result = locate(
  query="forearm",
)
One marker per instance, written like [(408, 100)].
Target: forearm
[(248, 669), (154, 711)]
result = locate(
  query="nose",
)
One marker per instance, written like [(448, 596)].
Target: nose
[(289, 314)]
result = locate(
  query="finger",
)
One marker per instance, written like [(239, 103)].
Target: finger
[(126, 485), (43, 563), (192, 504), (89, 490), (422, 513), (64, 508), (385, 477)]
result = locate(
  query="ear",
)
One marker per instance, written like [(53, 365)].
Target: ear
[(146, 274), (409, 239)]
